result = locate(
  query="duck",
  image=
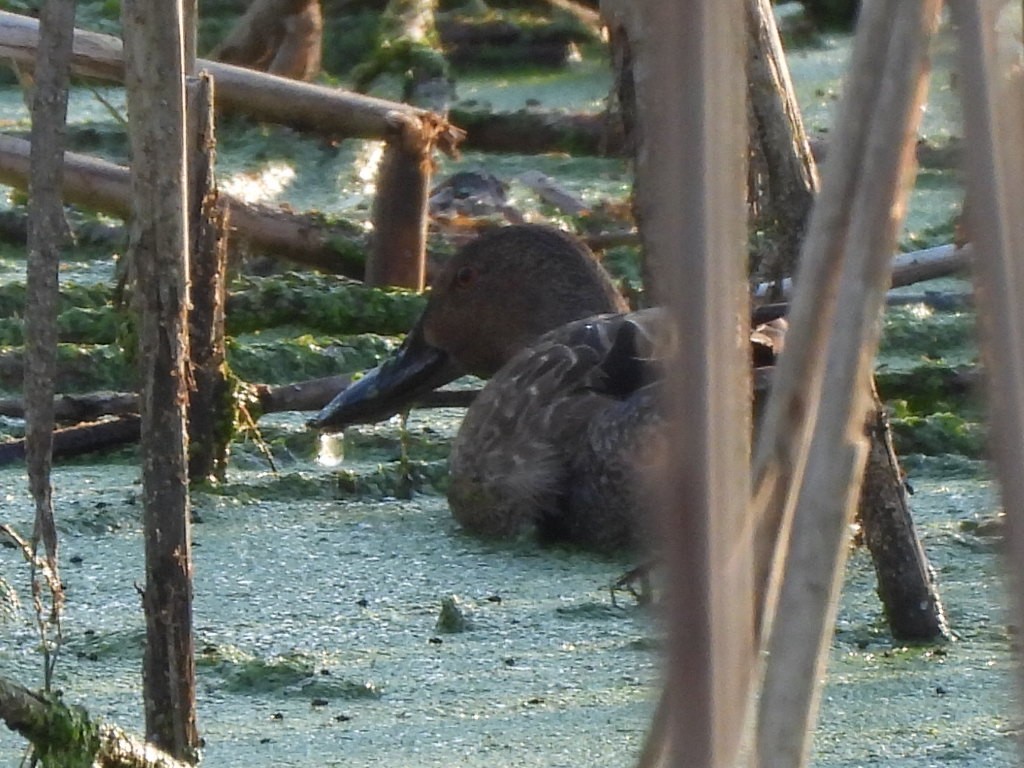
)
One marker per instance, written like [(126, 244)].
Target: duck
[(555, 444)]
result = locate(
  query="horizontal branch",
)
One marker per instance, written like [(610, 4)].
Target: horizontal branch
[(910, 268), (85, 438), (268, 98), (45, 721), (99, 185)]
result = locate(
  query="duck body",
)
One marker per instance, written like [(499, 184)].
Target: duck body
[(554, 442), (549, 444)]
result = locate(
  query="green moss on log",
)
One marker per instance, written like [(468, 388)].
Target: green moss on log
[(319, 302), (938, 433), (936, 336), (66, 737), (929, 388), (89, 368)]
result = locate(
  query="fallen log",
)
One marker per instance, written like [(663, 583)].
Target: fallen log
[(66, 735), (541, 131), (303, 106), (308, 239), (81, 439), (79, 408), (910, 268), (109, 433)]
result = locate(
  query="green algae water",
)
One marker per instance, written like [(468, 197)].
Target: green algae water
[(318, 643), (318, 593)]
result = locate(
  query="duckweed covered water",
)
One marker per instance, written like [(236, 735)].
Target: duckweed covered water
[(317, 611), (318, 642)]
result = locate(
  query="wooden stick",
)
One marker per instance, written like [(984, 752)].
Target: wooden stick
[(832, 459), (993, 115), (793, 403), (689, 190)]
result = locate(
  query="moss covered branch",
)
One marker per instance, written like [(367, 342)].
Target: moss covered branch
[(65, 736)]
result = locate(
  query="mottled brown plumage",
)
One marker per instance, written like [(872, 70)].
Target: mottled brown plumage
[(553, 442)]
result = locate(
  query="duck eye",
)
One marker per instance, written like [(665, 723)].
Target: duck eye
[(465, 277)]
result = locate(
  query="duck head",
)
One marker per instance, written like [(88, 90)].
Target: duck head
[(494, 297)]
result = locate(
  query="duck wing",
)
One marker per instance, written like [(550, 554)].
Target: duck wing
[(512, 463)]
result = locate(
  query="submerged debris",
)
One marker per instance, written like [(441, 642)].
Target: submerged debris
[(454, 616)]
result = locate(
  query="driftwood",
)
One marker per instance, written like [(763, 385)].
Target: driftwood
[(910, 268), (107, 434), (80, 439), (541, 132), (63, 732), (79, 408), (544, 131), (210, 406), (906, 584), (267, 98), (103, 186)]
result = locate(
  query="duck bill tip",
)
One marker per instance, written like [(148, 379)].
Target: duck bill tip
[(395, 385)]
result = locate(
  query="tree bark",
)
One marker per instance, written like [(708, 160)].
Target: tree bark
[(398, 255), (783, 193), (783, 198), (906, 583), (398, 252), (210, 411), (154, 81), (47, 234)]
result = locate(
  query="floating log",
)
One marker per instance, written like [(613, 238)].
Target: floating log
[(541, 131), (71, 737), (108, 433), (81, 439), (303, 106), (103, 186), (79, 408), (910, 268)]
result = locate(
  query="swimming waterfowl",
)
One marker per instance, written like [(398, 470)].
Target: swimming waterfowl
[(552, 442)]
